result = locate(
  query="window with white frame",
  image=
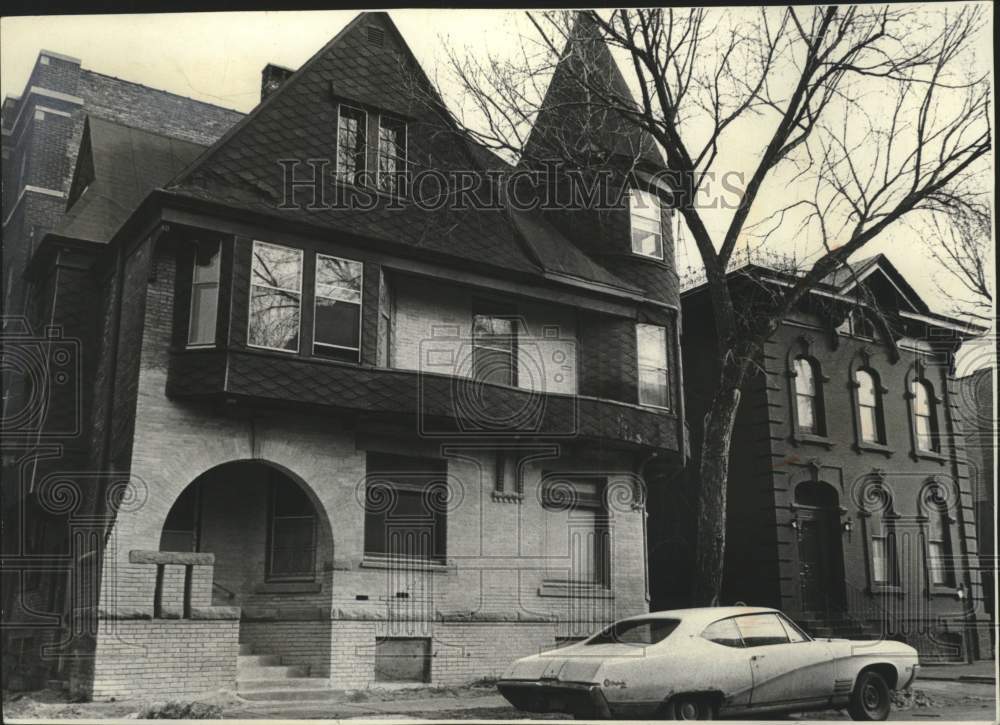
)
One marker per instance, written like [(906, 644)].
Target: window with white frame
[(651, 345), (925, 416), (870, 413), (337, 319), (204, 294), (808, 397), (351, 143), (647, 234), (391, 155), (275, 297)]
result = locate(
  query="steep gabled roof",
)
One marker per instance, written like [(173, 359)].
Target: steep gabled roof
[(117, 167), (573, 121), (368, 65), (882, 280)]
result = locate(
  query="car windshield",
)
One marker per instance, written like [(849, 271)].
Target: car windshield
[(636, 631)]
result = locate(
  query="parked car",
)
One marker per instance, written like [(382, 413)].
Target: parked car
[(697, 664)]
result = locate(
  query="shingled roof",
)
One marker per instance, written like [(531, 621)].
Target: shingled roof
[(116, 168), (369, 65), (576, 121)]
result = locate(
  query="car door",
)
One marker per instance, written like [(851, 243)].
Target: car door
[(787, 666)]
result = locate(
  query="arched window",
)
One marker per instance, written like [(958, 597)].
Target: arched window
[(870, 414), (925, 422), (938, 552), (808, 397)]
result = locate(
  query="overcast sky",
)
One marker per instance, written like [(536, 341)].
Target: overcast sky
[(217, 57)]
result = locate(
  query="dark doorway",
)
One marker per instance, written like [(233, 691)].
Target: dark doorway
[(821, 558)]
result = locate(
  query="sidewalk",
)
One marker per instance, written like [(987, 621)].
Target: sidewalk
[(983, 671)]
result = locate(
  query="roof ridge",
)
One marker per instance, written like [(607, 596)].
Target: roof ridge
[(160, 90)]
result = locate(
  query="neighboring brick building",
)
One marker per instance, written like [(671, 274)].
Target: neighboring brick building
[(388, 443), (850, 504)]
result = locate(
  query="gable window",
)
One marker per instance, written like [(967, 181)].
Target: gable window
[(204, 294), (871, 417), (275, 297), (337, 320), (651, 346), (644, 215), (351, 144), (494, 348), (405, 507), (808, 397), (385, 308), (860, 325), (391, 155), (291, 551), (925, 421), (576, 526)]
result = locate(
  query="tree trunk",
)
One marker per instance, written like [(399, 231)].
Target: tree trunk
[(713, 474)]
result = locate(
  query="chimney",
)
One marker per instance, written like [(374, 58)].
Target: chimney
[(272, 78)]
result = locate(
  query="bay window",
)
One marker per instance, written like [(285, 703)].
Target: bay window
[(644, 215), (651, 344), (337, 310), (275, 297), (204, 294), (494, 349)]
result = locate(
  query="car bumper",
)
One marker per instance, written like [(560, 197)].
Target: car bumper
[(575, 698)]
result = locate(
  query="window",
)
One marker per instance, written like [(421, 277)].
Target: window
[(794, 633), (647, 234), (723, 632), (925, 416), (292, 534), (275, 297), (204, 294), (385, 310), (391, 155), (337, 322), (576, 526), (808, 400), (861, 325), (885, 561), (494, 349), (636, 631), (760, 630), (405, 512), (351, 144), (870, 407), (939, 563), (651, 342)]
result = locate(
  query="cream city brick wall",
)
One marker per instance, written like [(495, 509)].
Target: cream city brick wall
[(432, 327), (155, 659)]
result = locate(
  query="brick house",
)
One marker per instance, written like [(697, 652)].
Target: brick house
[(327, 443), (850, 504)]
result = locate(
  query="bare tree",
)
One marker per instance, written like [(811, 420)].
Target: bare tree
[(869, 114), (961, 243)]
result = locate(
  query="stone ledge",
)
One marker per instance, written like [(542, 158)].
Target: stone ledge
[(184, 558)]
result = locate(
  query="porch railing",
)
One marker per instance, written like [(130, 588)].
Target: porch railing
[(161, 560)]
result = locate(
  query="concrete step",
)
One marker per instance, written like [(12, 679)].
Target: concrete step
[(257, 660), (316, 694), (271, 672), (246, 648), (292, 684)]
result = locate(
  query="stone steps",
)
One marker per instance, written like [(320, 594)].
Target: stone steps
[(264, 677)]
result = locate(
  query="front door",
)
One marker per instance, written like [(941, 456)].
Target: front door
[(820, 562)]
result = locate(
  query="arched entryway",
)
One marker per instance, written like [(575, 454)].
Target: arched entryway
[(820, 550), (265, 527)]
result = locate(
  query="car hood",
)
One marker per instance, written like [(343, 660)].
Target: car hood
[(578, 663)]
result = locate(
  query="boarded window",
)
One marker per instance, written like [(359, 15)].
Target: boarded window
[(403, 659)]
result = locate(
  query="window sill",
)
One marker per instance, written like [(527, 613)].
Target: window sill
[(886, 589), (277, 587), (869, 447), (813, 440), (575, 590), (943, 590), (918, 455), (371, 562)]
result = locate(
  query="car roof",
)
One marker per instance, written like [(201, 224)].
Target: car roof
[(703, 615)]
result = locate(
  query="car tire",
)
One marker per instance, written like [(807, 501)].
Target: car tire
[(871, 699), (689, 707)]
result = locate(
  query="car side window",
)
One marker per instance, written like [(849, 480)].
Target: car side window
[(723, 632), (759, 630), (794, 633)]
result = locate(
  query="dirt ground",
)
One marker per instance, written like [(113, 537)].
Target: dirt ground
[(940, 701)]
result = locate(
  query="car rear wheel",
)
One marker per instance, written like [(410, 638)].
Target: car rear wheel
[(689, 707), (871, 699)]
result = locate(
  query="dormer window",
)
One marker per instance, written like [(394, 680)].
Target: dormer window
[(391, 155), (351, 144), (647, 234), (860, 325)]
